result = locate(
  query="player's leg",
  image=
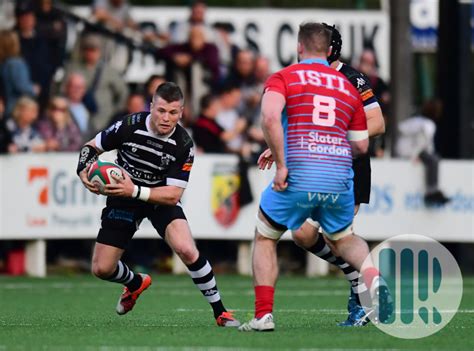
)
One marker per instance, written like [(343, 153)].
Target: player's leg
[(337, 226), (171, 221), (120, 220), (309, 238), (278, 211), (265, 272)]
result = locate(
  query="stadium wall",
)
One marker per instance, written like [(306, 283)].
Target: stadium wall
[(42, 198)]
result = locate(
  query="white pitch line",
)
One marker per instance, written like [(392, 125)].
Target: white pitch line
[(308, 311), (220, 348), (197, 348)]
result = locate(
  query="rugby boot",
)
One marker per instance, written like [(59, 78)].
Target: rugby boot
[(226, 319), (129, 298), (263, 324)]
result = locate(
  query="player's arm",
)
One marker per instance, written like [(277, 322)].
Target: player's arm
[(358, 135), (88, 154), (273, 104), (359, 147), (375, 121), (373, 112), (170, 194), (106, 140)]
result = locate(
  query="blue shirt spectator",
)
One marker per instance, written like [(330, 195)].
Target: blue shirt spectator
[(14, 73)]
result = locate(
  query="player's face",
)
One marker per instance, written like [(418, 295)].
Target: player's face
[(165, 115)]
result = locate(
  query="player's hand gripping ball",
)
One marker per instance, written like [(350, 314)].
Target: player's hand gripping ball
[(101, 173)]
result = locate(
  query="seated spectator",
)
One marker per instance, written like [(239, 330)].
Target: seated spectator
[(21, 126), (416, 142), (106, 88), (150, 87), (208, 135), (58, 129), (135, 104), (229, 119), (14, 73), (75, 90)]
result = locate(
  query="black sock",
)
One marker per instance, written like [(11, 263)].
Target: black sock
[(202, 275), (125, 276), (322, 250)]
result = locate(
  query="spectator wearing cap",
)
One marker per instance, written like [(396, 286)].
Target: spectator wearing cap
[(14, 72), (35, 49), (106, 89)]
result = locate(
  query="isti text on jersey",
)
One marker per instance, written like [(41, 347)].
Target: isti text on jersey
[(319, 79)]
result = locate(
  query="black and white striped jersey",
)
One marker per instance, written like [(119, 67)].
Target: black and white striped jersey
[(151, 160), (362, 83)]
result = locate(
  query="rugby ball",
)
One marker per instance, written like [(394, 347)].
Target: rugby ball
[(101, 172)]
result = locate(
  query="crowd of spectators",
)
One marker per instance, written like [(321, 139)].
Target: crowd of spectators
[(53, 99)]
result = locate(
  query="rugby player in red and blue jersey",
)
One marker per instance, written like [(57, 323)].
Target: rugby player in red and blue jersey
[(314, 124), (316, 243)]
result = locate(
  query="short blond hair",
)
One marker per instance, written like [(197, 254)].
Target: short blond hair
[(23, 102), (314, 37), (9, 45)]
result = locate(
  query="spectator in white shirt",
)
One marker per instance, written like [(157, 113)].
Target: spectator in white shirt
[(416, 142)]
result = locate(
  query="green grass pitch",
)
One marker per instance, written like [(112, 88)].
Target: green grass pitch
[(78, 313)]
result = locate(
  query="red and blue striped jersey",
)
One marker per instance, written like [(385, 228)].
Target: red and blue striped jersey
[(323, 111)]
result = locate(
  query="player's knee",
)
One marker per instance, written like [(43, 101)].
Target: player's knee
[(259, 237), (102, 270), (187, 253), (340, 237), (298, 237)]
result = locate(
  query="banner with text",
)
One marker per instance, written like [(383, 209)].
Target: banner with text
[(41, 197)]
